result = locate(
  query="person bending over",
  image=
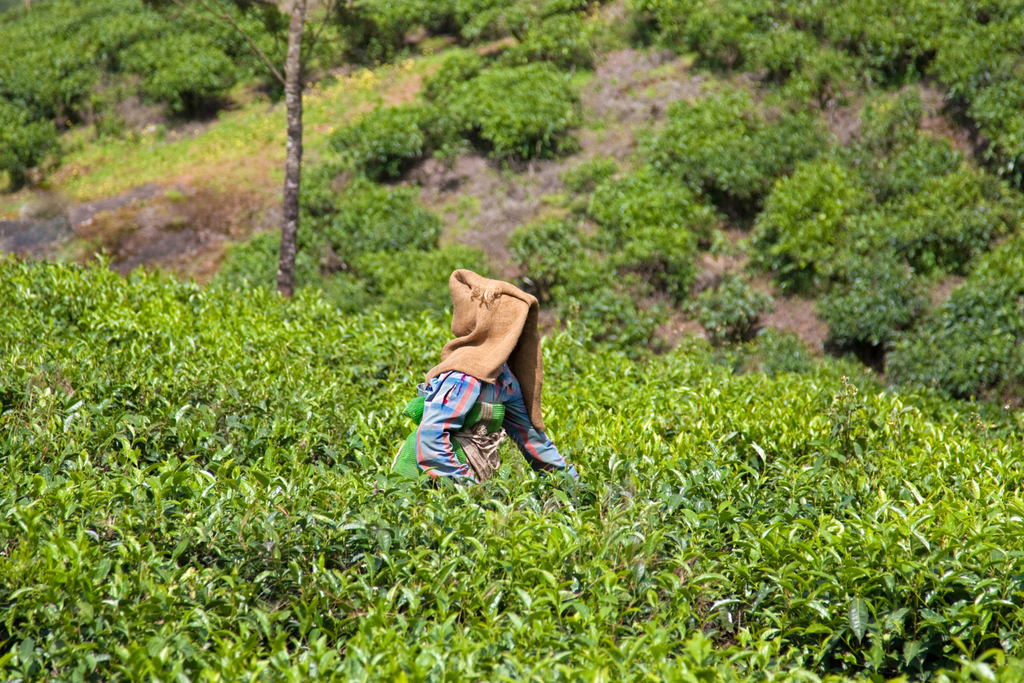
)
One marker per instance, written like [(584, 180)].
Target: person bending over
[(489, 375)]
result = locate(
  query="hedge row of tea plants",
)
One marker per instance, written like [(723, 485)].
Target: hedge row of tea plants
[(555, 31), (510, 112), (66, 62), (974, 341), (195, 485), (648, 228), (729, 149), (872, 226), (823, 52)]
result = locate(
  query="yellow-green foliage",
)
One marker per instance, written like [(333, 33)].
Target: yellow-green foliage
[(195, 484)]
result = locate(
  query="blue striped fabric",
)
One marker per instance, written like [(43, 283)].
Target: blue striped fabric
[(450, 396)]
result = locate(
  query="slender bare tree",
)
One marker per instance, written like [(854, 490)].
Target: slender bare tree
[(293, 88), (293, 158)]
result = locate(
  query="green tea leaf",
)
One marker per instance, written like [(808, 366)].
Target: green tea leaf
[(858, 617)]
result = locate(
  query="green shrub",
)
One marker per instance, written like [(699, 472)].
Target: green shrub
[(53, 58), (973, 343), (24, 144), (393, 283), (407, 283), (585, 285), (587, 175), (893, 37), (386, 142), (805, 221), (253, 263), (730, 310), (650, 227), (346, 244), (492, 19), (456, 68), (724, 146), (978, 59), (890, 123), (824, 77), (782, 352), (877, 298), (905, 171), (718, 30), (952, 219), (526, 111), (375, 30), (369, 218), (603, 307), (180, 70), (548, 251), (564, 40)]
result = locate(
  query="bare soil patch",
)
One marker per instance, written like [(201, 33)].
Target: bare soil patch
[(943, 289), (481, 205), (184, 230), (844, 121), (935, 121), (404, 91), (796, 315), (630, 86)]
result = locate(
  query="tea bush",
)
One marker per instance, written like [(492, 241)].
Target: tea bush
[(375, 30), (222, 456), (65, 63), (805, 221), (895, 191), (519, 112), (386, 142), (566, 271), (367, 217), (24, 144), (890, 123), (55, 57), (587, 175), (820, 52), (182, 70), (550, 30), (456, 68), (370, 247), (972, 343), (565, 40), (730, 310), (524, 111), (725, 146), (254, 263), (650, 226), (876, 299), (950, 221), (548, 251), (782, 352)]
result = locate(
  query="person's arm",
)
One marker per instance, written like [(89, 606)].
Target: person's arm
[(444, 411), (535, 446)]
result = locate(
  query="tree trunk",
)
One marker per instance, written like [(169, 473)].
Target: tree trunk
[(293, 160)]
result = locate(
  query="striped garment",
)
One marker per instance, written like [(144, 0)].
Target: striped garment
[(449, 397)]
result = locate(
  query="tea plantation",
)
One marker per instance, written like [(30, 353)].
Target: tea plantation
[(196, 487), (195, 481)]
